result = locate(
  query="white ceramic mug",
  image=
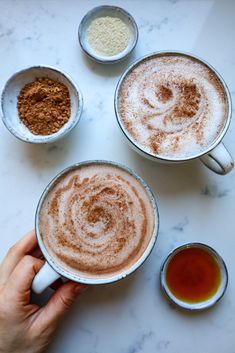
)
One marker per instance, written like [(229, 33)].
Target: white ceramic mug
[(51, 270), (215, 156)]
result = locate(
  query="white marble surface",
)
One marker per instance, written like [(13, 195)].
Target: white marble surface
[(130, 316)]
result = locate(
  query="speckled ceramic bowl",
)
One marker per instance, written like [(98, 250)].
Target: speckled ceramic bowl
[(202, 304), (11, 91), (112, 11)]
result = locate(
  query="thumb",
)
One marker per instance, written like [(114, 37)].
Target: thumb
[(59, 303)]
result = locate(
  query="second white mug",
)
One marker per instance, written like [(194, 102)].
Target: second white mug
[(215, 155)]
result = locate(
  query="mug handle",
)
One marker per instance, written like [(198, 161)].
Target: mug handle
[(44, 278), (219, 160)]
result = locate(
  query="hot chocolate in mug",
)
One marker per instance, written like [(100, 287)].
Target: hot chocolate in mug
[(174, 107), (96, 222)]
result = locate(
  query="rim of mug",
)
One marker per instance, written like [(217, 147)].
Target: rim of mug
[(72, 276), (46, 138), (199, 306), (136, 63)]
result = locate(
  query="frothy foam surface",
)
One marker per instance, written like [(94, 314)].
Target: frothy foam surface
[(97, 220), (172, 105)]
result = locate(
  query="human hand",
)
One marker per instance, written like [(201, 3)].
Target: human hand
[(27, 327)]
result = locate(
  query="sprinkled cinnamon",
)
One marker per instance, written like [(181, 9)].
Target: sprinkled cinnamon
[(164, 93), (172, 105), (96, 221)]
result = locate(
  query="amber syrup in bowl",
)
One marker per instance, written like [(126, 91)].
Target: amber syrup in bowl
[(194, 276)]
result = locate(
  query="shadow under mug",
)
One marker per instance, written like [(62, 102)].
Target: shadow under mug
[(216, 156), (51, 270)]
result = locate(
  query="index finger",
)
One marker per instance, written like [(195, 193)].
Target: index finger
[(23, 247), (20, 281)]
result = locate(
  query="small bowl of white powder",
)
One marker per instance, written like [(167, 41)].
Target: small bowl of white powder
[(108, 34)]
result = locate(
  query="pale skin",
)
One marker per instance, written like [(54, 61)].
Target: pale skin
[(27, 327)]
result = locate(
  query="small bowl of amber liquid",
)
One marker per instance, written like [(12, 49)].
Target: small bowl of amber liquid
[(194, 276)]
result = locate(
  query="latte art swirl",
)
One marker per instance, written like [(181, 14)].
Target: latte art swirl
[(172, 105), (97, 220)]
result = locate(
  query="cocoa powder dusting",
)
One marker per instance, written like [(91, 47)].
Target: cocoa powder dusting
[(44, 106), (189, 103), (164, 93), (155, 141)]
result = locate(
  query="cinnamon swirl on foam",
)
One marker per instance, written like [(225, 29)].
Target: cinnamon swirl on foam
[(97, 220), (172, 105)]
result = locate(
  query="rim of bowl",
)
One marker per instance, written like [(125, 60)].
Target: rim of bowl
[(202, 305), (46, 138), (135, 64), (121, 275), (109, 59)]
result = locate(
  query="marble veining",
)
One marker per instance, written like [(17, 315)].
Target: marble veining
[(180, 227), (214, 191), (130, 316), (139, 345)]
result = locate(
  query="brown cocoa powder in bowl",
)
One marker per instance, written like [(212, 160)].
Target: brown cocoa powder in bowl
[(44, 106)]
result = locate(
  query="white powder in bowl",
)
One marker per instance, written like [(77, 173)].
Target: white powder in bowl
[(108, 35)]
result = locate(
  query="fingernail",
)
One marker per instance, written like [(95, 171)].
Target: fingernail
[(80, 288)]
